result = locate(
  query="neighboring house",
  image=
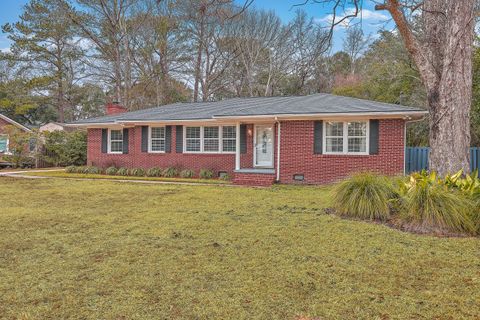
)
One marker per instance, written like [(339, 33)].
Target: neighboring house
[(6, 121), (55, 126), (312, 139)]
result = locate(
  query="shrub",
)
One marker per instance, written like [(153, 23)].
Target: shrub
[(111, 171), (64, 148), (71, 169), (137, 172), (187, 173), (122, 172), (170, 172), (430, 205), (92, 170), (206, 174), (154, 172), (364, 196)]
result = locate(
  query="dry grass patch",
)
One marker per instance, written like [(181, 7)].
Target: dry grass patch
[(106, 250)]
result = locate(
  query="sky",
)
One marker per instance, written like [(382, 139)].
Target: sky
[(372, 20)]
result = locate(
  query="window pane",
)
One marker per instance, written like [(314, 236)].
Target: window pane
[(334, 144), (3, 143), (357, 144), (193, 145), (117, 146), (334, 129), (210, 145), (158, 133), (193, 132), (158, 145), (229, 145), (210, 132), (357, 129), (116, 135), (229, 132)]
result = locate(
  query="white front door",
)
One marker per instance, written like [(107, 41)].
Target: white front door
[(263, 156)]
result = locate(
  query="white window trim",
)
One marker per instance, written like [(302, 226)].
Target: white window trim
[(220, 139), (345, 138), (150, 139), (110, 142)]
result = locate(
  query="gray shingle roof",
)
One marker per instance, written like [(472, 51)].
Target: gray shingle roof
[(268, 106)]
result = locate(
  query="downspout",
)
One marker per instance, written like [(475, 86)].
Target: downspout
[(407, 121), (278, 148)]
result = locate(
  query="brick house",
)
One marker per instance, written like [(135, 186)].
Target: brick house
[(4, 122), (313, 139)]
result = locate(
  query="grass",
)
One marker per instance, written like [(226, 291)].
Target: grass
[(62, 174), (107, 250)]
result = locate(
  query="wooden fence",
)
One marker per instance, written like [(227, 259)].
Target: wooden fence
[(416, 158)]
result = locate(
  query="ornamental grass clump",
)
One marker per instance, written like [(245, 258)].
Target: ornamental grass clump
[(154, 172), (431, 204), (71, 169), (170, 172), (122, 172), (137, 172), (365, 196), (93, 170), (111, 171), (187, 173), (206, 174)]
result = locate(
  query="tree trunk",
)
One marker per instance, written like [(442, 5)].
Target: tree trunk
[(198, 63), (444, 60)]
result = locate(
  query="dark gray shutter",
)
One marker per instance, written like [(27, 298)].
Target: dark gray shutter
[(144, 138), (374, 135), (125, 141), (243, 138), (104, 140), (178, 139), (318, 137), (168, 139)]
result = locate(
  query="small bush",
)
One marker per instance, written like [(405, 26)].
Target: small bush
[(92, 170), (170, 172), (154, 172), (71, 169), (122, 172), (187, 173), (364, 196), (431, 206), (137, 172), (206, 174), (226, 177), (111, 171)]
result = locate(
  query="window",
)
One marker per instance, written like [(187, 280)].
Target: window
[(346, 137), (193, 139), (116, 141), (157, 139), (210, 139), (229, 134), (3, 143)]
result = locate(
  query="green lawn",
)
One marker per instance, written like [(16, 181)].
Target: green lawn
[(108, 250)]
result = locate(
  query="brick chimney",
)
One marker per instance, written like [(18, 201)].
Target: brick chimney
[(114, 108)]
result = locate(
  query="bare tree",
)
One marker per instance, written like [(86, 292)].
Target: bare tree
[(442, 52), (355, 44)]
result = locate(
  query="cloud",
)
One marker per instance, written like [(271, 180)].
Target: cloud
[(5, 50), (364, 14)]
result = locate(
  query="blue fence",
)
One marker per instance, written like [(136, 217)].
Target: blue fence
[(416, 158)]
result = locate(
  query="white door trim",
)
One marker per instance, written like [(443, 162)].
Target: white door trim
[(255, 145)]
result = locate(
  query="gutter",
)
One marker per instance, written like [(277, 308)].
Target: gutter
[(278, 147)]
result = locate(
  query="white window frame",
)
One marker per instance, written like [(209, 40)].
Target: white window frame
[(150, 139), (220, 139), (110, 141), (345, 137), (6, 152)]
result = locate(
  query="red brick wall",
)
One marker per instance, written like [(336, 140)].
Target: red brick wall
[(3, 124), (135, 158), (297, 157)]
